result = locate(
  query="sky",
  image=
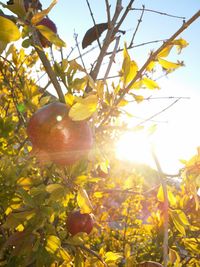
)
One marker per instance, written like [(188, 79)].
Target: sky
[(178, 128), (178, 134)]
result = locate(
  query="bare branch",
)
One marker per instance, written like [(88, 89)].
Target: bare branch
[(158, 113), (47, 66), (108, 12), (158, 12), (108, 40), (166, 208), (77, 45), (111, 59), (93, 19), (137, 27)]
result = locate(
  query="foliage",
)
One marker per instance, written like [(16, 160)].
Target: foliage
[(127, 200)]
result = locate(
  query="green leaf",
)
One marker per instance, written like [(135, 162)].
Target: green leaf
[(84, 201), (8, 31), (84, 109), (50, 36)]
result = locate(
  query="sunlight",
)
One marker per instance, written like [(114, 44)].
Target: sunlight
[(135, 147)]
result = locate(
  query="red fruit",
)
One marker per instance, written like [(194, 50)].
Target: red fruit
[(78, 222), (56, 136), (49, 24)]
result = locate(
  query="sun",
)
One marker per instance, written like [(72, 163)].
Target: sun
[(134, 147)]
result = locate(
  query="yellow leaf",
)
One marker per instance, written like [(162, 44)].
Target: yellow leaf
[(17, 7), (20, 228), (40, 15), (69, 99), (168, 65), (138, 98), (174, 257), (53, 244), (100, 89), (83, 201), (150, 83), (180, 44), (50, 36), (11, 33), (151, 65), (165, 52), (129, 68), (84, 109), (80, 83), (112, 257), (2, 46), (123, 103), (25, 182)]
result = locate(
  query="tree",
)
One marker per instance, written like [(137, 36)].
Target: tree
[(134, 224)]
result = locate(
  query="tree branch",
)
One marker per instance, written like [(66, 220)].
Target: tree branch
[(47, 65), (166, 208)]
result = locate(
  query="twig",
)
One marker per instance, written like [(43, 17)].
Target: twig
[(97, 33), (158, 113), (128, 8), (137, 27), (94, 254), (79, 51), (111, 59), (108, 40), (47, 66), (155, 54), (166, 207), (158, 12), (108, 12)]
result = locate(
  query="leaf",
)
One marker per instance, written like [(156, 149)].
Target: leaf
[(11, 33), (17, 7), (180, 220), (180, 44), (129, 68), (83, 201), (138, 98), (112, 257), (51, 36), (150, 83), (165, 52), (84, 109), (69, 99), (171, 197), (80, 83), (40, 15), (2, 46), (93, 34), (53, 244), (174, 257), (169, 65)]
